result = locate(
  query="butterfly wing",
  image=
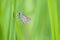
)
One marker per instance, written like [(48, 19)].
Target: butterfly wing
[(25, 19)]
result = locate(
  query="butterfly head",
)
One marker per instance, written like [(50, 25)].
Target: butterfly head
[(19, 15)]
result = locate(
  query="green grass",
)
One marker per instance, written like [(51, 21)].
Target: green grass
[(44, 24), (53, 18)]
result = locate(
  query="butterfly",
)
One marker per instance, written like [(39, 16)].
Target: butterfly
[(23, 18)]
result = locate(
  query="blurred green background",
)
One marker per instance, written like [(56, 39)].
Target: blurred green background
[(44, 24)]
